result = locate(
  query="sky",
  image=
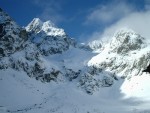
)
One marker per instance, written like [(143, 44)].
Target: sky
[(84, 20)]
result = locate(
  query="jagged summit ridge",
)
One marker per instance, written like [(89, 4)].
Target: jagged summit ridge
[(48, 28), (126, 40), (49, 38), (35, 25), (126, 54)]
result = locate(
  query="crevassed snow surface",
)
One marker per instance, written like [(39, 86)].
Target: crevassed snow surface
[(21, 94)]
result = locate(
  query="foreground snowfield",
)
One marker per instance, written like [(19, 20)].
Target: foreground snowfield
[(22, 94)]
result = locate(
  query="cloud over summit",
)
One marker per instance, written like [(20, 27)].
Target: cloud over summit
[(107, 14), (118, 16)]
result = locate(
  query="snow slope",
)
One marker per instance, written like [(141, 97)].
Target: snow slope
[(21, 94)]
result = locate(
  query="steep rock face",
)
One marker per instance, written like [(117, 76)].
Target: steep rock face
[(48, 38), (94, 78), (127, 54), (33, 63), (29, 47), (11, 35), (126, 41)]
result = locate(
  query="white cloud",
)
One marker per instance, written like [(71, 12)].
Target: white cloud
[(117, 16), (50, 10), (106, 14), (138, 21), (50, 14), (147, 4)]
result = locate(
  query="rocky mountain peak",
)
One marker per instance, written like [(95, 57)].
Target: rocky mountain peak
[(48, 24), (126, 54), (35, 25), (125, 41), (48, 28), (48, 38)]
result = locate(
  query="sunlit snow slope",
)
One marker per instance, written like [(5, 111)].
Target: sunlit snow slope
[(21, 94)]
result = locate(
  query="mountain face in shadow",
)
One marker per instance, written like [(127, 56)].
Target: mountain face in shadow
[(147, 69)]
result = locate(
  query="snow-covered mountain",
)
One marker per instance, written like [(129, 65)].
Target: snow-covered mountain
[(127, 54), (43, 70), (48, 38), (37, 26)]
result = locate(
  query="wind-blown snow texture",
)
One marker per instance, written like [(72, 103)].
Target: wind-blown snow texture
[(43, 70)]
